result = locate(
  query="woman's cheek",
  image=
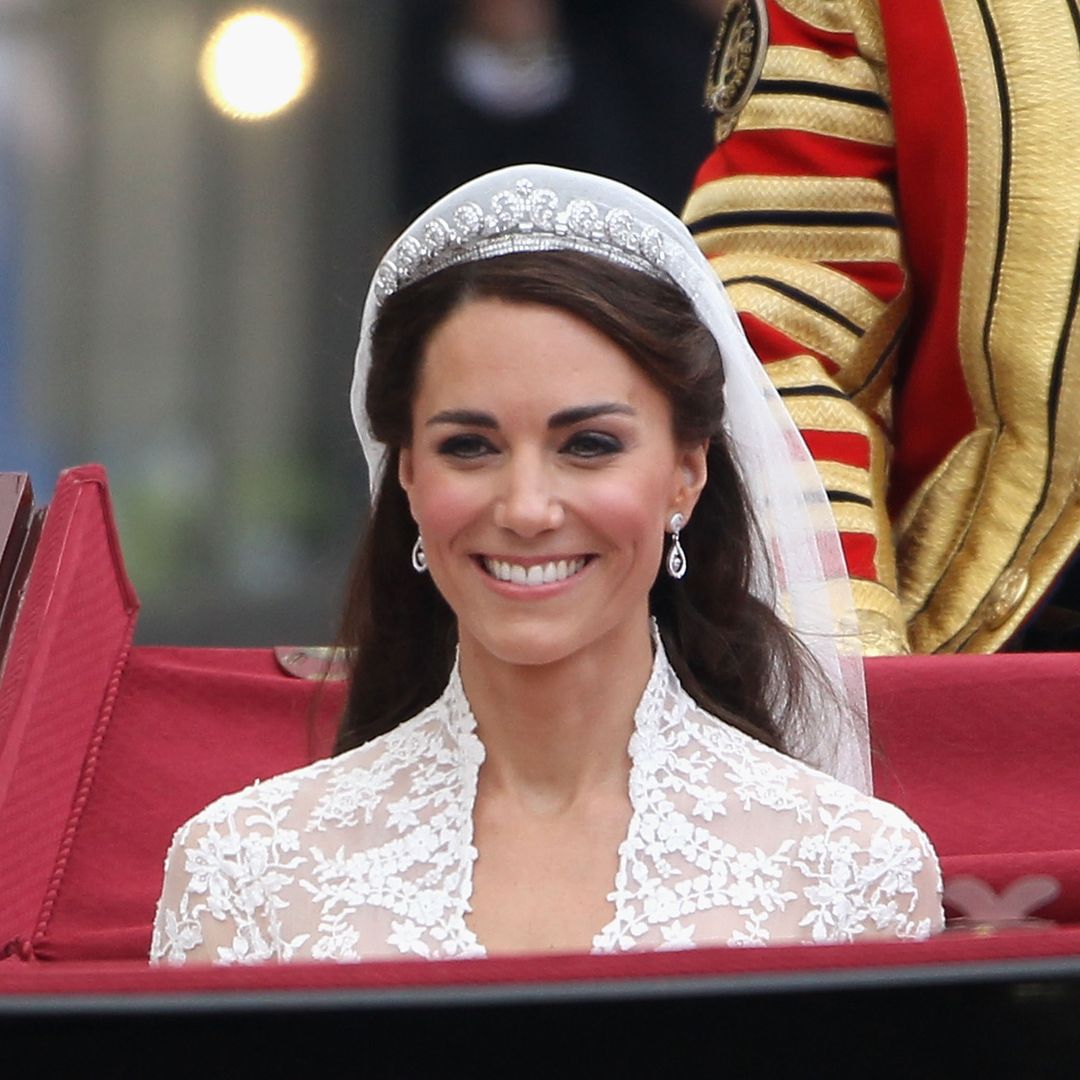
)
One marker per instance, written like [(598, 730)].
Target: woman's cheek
[(632, 514), (444, 502)]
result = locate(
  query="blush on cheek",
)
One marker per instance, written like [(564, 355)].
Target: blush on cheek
[(441, 506), (630, 518)]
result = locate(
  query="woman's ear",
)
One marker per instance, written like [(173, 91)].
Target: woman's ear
[(405, 468), (693, 471), (405, 473)]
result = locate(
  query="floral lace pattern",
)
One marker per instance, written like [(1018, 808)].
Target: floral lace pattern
[(371, 855)]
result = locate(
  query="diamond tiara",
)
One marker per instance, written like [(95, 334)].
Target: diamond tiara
[(529, 218)]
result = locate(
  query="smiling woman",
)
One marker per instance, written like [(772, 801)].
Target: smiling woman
[(555, 737)]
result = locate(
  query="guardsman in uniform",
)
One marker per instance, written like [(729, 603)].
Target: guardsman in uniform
[(894, 205)]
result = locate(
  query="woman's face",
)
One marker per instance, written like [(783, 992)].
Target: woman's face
[(542, 473)]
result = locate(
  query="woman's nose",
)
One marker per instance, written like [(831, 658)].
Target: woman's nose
[(528, 503)]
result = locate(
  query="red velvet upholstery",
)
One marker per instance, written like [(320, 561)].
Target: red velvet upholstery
[(105, 750), (984, 752)]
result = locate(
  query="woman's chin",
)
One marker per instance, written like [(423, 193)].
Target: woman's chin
[(539, 642), (534, 645), (525, 652)]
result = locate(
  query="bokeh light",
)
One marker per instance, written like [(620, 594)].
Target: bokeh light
[(257, 63)]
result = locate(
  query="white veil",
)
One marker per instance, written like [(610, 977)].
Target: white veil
[(799, 568)]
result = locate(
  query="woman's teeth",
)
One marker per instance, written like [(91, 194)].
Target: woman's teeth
[(539, 574)]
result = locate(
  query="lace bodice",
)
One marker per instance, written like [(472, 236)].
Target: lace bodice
[(370, 854)]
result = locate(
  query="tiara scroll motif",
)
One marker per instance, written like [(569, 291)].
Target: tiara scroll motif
[(528, 218)]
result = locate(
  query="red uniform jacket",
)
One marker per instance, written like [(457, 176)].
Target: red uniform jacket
[(897, 218)]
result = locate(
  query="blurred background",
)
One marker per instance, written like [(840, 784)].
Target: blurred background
[(193, 196)]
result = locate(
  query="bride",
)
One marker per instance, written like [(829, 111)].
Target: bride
[(605, 690)]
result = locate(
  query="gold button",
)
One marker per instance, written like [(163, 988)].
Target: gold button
[(880, 636), (1004, 598)]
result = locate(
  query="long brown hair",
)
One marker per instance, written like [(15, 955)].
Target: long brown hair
[(734, 656)]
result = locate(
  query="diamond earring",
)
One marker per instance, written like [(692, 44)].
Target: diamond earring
[(676, 557), (419, 556)]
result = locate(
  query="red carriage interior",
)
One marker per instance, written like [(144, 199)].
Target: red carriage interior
[(106, 748)]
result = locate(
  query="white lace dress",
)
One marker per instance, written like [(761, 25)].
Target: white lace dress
[(370, 854)]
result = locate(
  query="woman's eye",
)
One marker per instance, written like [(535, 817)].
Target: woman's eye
[(465, 446), (592, 444)]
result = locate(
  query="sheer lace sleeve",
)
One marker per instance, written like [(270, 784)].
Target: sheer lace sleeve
[(864, 870), (734, 843), (225, 875)]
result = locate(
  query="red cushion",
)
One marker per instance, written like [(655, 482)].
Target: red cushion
[(983, 751)]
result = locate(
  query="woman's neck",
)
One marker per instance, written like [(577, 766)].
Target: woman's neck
[(557, 732)]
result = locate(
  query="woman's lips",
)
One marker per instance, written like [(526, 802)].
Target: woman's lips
[(546, 572)]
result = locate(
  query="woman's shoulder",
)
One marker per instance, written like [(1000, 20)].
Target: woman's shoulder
[(759, 776), (241, 874), (338, 790), (845, 863)]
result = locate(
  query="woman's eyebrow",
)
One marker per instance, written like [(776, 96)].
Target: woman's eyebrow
[(577, 413), (465, 417)]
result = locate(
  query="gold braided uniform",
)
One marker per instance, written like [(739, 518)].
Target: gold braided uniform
[(896, 214)]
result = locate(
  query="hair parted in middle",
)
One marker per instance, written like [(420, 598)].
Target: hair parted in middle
[(732, 652)]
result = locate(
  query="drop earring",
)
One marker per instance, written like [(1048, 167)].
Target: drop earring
[(676, 557), (419, 556)]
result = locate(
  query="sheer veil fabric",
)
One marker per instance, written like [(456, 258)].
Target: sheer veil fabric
[(799, 568)]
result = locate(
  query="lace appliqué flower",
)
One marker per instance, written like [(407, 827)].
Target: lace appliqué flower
[(238, 867), (861, 873)]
